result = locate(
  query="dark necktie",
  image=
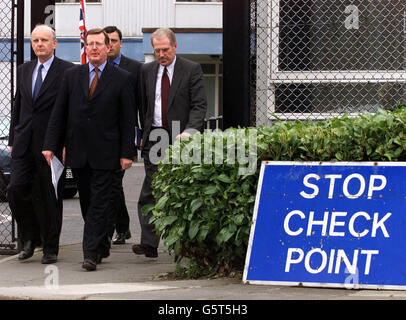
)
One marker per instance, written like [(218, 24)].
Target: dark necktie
[(38, 83), (165, 86), (94, 82)]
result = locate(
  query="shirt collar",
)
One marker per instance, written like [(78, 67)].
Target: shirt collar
[(170, 68), (116, 61), (101, 67), (46, 64)]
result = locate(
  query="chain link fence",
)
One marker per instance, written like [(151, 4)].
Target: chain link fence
[(7, 226), (313, 59)]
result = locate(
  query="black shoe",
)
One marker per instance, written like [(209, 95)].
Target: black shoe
[(127, 234), (89, 265), (99, 258), (28, 250), (49, 258), (148, 251), (120, 238)]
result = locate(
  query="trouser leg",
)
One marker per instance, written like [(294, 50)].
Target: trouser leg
[(148, 235), (19, 193), (95, 187), (122, 217)]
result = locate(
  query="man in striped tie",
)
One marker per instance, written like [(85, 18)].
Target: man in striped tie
[(94, 116)]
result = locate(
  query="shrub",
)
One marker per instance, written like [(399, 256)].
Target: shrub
[(204, 210)]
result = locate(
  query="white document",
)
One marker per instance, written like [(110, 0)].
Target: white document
[(56, 172)]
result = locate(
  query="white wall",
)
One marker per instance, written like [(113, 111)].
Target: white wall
[(67, 18), (199, 15), (132, 15)]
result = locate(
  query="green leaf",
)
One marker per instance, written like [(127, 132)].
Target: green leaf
[(168, 220), (170, 240), (224, 178), (195, 204), (224, 235), (210, 189), (161, 202), (193, 229), (204, 230), (147, 208)]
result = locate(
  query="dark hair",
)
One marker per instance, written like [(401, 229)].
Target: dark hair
[(98, 31), (111, 29)]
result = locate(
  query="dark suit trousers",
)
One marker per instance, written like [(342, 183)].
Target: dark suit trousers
[(36, 216), (148, 235), (119, 218), (94, 188)]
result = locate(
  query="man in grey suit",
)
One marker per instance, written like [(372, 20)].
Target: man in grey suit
[(173, 96), (119, 219)]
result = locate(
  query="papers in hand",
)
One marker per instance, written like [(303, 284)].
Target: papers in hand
[(138, 136), (56, 172)]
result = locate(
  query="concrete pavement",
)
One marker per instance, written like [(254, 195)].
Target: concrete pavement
[(126, 276)]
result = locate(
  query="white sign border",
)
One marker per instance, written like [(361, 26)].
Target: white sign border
[(254, 219)]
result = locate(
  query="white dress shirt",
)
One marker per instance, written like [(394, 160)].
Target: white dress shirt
[(44, 71), (157, 111)]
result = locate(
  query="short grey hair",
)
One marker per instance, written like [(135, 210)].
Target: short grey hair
[(47, 27), (164, 32)]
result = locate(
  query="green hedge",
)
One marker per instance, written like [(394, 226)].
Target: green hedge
[(204, 210)]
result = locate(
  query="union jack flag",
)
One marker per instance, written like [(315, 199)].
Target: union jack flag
[(83, 31)]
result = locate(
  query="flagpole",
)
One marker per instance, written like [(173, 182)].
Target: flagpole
[(83, 31)]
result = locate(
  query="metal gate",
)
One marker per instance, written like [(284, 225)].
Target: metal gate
[(7, 67), (313, 59)]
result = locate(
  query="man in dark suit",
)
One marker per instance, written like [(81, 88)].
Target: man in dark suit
[(120, 220), (38, 84), (173, 95), (94, 116)]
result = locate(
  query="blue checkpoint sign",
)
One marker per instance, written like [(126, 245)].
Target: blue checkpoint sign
[(329, 224)]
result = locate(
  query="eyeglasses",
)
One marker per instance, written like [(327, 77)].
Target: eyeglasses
[(95, 44), (164, 50)]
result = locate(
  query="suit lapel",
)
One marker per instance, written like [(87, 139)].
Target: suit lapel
[(84, 79), (176, 79), (50, 77), (123, 62), (28, 80), (152, 84)]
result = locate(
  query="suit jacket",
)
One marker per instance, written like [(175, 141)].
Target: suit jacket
[(98, 131), (29, 119), (134, 67), (187, 97)]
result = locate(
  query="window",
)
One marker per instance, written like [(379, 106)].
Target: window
[(213, 81), (325, 57)]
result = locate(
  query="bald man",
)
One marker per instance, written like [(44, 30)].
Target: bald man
[(38, 83)]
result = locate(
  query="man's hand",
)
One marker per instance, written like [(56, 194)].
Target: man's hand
[(48, 155), (63, 155), (125, 163), (140, 146), (11, 149), (183, 135)]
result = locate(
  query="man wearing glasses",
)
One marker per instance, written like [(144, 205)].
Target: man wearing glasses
[(94, 116)]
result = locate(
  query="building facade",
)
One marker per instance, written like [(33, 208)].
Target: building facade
[(197, 25)]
